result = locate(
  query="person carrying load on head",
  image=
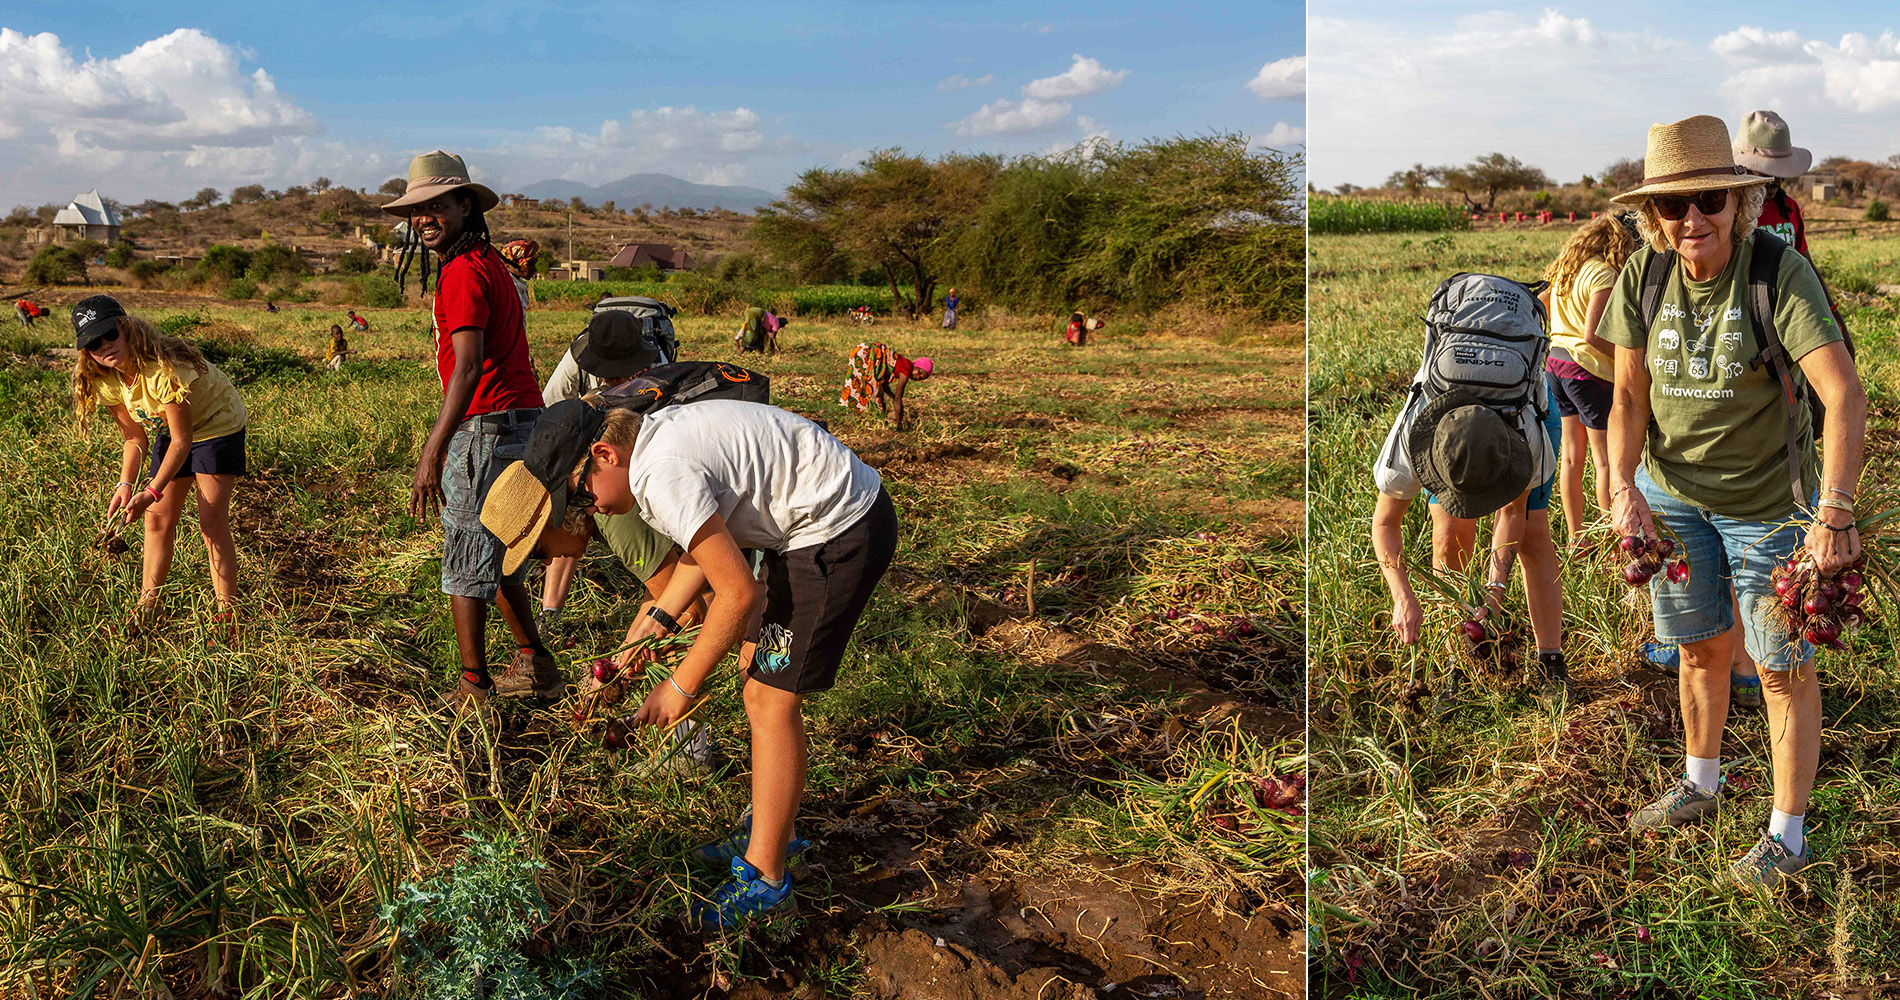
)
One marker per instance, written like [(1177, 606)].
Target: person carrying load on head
[(759, 331), (521, 258), (1478, 433), (489, 402), (339, 348), (880, 373), (154, 384), (714, 477), (1722, 340)]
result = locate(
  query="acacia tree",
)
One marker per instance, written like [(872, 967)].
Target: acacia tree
[(1489, 175), (1623, 175), (897, 212)]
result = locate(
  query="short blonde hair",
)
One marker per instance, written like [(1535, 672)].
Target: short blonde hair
[(621, 429), (1747, 213)]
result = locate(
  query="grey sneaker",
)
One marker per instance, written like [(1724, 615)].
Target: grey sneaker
[(1769, 860), (1683, 804)]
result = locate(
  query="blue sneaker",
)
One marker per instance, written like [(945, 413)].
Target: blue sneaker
[(1666, 655), (720, 853), (744, 896)]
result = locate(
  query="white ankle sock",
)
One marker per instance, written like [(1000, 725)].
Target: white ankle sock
[(1705, 773), (1791, 830)]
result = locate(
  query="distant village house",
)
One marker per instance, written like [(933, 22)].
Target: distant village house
[(659, 254), (87, 217)]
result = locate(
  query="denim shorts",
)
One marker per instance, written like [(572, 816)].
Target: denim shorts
[(1723, 553), (481, 448)]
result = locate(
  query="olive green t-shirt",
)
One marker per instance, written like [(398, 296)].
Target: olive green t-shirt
[(638, 547), (1718, 428)]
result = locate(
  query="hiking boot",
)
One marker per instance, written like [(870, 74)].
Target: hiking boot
[(530, 673), (747, 894), (1684, 803), (721, 853), (1554, 683), (1769, 860), (470, 695), (1744, 692)]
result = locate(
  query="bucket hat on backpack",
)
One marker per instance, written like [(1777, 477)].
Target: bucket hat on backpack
[(1485, 345)]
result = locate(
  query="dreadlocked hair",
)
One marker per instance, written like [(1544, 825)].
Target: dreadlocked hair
[(474, 234)]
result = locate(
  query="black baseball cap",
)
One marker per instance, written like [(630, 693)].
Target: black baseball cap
[(532, 493), (94, 317), (614, 345)]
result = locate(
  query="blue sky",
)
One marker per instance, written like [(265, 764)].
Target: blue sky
[(116, 94), (1571, 87)]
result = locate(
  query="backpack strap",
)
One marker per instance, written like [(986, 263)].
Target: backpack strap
[(1764, 272), (1655, 279)]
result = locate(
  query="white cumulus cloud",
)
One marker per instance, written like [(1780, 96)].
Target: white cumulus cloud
[(1280, 78), (1007, 117), (1085, 76), (1283, 136), (958, 81), (705, 146)]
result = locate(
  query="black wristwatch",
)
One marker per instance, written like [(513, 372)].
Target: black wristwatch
[(668, 622)]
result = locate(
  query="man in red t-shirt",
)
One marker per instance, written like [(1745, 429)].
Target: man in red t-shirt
[(490, 397)]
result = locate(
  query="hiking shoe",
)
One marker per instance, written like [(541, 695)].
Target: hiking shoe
[(530, 673), (732, 847), (1769, 860), (1684, 803), (1665, 656), (745, 895), (1554, 685), (469, 696), (1744, 692)]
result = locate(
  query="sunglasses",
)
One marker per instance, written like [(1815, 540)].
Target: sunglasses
[(1674, 206), (104, 338), (580, 498)]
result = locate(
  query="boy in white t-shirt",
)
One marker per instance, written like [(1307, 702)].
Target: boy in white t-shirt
[(715, 477)]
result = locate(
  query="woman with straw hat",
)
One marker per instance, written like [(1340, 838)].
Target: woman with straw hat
[(1706, 409)]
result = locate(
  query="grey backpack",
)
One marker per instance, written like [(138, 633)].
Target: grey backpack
[(654, 315), (1483, 334)]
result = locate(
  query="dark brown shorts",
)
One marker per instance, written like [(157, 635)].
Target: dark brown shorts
[(813, 599)]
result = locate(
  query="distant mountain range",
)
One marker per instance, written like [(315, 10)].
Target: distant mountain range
[(657, 190)]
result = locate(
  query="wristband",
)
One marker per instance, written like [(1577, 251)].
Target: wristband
[(666, 621), (156, 495), (681, 690), (127, 486), (1830, 527), (1849, 496), (1837, 504), (1624, 489), (1497, 586)]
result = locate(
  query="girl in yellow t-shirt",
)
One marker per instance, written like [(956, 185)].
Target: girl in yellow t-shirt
[(1580, 365), (152, 383)]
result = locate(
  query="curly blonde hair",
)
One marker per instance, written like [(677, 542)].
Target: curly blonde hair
[(1747, 212), (1604, 238), (144, 346)]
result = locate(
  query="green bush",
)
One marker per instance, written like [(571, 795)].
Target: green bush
[(1876, 211), (121, 254), (56, 265), (275, 261), (224, 261), (241, 288), (356, 260), (380, 291), (145, 271), (90, 250)]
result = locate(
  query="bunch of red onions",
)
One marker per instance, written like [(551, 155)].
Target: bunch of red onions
[(1820, 609), (1650, 556)]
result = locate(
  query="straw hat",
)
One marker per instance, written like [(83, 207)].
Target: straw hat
[(435, 173), (1688, 156), (1764, 147)]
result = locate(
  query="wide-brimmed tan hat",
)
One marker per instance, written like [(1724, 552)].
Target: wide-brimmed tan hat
[(517, 510), (1688, 156), (435, 173), (1763, 146), (531, 494)]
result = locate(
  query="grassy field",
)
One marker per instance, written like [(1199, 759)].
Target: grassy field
[(1482, 850), (1036, 777)]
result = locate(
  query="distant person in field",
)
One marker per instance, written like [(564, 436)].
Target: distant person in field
[(489, 403), (1708, 437), (23, 312), (713, 477), (759, 331), (881, 374), (358, 323), (156, 385), (339, 349), (613, 349), (521, 256), (270, 307), (950, 310), (1579, 364), (1079, 329)]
